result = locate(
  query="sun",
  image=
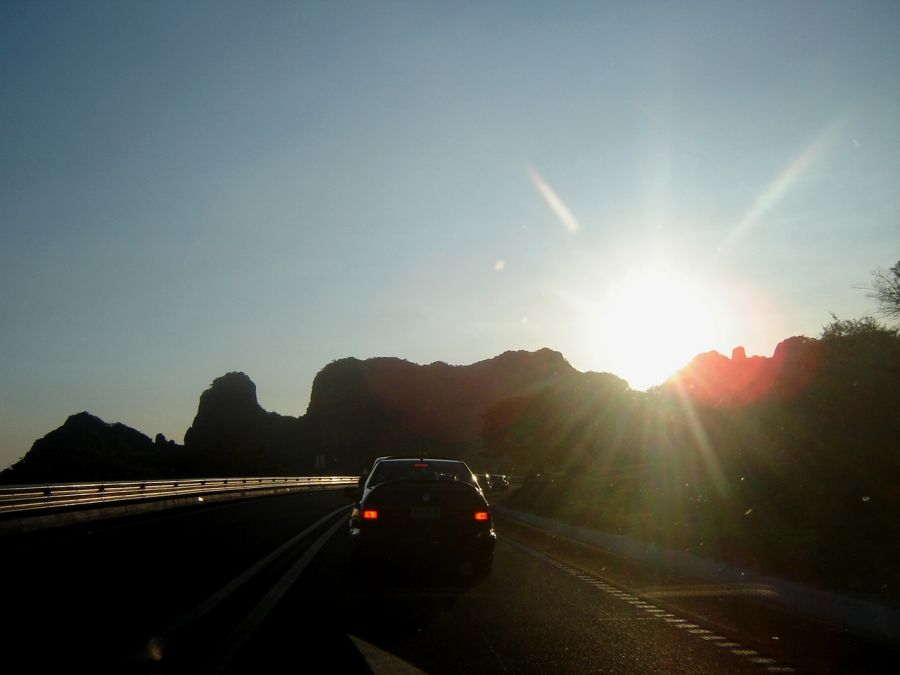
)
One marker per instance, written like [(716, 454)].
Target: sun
[(652, 322)]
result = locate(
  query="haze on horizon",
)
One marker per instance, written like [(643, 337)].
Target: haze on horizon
[(194, 188)]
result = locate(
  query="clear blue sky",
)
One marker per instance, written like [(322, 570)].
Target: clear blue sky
[(191, 188)]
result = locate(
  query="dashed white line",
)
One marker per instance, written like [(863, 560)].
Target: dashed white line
[(736, 648)]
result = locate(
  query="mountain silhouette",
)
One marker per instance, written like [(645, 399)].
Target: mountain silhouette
[(517, 411), (712, 379), (85, 448), (358, 410), (232, 434)]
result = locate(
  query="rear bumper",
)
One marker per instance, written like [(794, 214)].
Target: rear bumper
[(431, 547)]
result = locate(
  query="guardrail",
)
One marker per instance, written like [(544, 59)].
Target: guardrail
[(51, 497)]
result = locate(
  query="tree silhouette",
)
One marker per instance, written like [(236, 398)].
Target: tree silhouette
[(885, 289), (848, 328)]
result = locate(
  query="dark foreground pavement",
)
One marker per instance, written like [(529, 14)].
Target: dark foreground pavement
[(94, 598)]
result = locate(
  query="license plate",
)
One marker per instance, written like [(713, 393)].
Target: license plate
[(426, 513)]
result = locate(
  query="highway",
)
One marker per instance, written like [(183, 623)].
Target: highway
[(265, 583)]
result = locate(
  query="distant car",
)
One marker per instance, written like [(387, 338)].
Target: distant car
[(422, 512), (499, 482)]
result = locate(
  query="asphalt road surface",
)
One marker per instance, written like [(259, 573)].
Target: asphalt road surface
[(538, 613), (123, 596)]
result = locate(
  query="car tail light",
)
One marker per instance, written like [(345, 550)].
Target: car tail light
[(370, 514), (481, 515)]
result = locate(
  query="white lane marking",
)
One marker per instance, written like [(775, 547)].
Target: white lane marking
[(381, 661), (156, 644), (689, 628), (258, 614), (625, 618)]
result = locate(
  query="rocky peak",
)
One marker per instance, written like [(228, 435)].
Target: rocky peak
[(233, 390)]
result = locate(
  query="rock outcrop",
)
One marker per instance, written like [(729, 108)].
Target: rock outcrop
[(85, 448), (233, 435)]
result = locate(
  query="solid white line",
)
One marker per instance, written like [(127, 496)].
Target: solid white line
[(239, 636), (189, 619)]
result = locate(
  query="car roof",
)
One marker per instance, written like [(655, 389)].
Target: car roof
[(418, 459)]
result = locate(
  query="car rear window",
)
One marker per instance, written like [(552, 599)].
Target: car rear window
[(440, 470)]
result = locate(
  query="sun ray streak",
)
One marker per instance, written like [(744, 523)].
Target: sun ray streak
[(707, 452), (562, 212), (779, 187)]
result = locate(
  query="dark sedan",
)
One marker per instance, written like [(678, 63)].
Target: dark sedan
[(421, 513)]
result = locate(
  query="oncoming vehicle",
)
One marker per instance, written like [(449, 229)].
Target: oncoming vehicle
[(499, 482), (421, 512)]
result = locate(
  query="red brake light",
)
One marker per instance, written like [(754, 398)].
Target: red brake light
[(481, 515), (370, 514), (419, 465)]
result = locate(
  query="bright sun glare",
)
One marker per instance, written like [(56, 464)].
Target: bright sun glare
[(653, 322)]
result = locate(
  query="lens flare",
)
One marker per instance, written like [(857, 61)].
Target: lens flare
[(556, 204), (780, 185)]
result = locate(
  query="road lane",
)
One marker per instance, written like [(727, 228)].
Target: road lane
[(528, 617), (748, 612), (95, 594), (92, 596)]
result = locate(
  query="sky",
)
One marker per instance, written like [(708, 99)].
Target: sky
[(193, 188)]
